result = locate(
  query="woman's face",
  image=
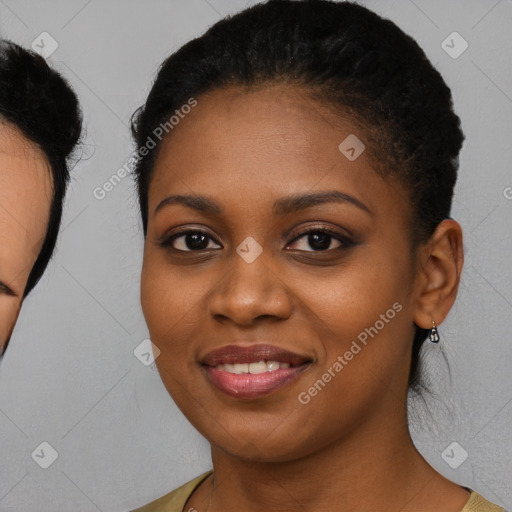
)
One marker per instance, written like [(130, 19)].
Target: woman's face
[(323, 323), (25, 199)]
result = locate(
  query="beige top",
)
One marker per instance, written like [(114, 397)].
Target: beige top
[(175, 500)]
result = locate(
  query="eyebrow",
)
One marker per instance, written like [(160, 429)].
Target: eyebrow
[(282, 206)]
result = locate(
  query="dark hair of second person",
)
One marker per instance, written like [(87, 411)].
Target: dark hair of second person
[(40, 124)]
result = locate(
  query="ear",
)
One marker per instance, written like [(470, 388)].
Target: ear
[(440, 262)]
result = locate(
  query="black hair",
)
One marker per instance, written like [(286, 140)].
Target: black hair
[(38, 101), (345, 56)]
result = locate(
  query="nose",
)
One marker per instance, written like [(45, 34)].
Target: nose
[(250, 292)]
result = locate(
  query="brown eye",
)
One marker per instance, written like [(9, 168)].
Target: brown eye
[(317, 240), (190, 241)]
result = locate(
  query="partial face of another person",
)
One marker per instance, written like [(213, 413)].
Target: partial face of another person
[(332, 270), (25, 201)]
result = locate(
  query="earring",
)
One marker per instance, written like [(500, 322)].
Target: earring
[(434, 335)]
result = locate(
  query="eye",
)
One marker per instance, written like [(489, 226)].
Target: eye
[(190, 241), (6, 290), (321, 239)]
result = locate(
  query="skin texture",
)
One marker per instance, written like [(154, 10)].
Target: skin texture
[(349, 448), (25, 199)]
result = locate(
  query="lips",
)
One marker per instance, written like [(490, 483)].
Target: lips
[(254, 371)]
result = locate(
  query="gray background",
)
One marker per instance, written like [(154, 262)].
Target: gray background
[(70, 376)]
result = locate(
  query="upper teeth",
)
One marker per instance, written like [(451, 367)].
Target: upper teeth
[(259, 367)]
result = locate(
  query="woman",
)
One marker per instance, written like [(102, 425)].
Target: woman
[(40, 125), (296, 172)]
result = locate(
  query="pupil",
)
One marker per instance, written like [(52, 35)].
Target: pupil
[(319, 241), (196, 241)]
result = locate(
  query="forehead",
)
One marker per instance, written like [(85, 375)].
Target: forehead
[(262, 142), (25, 199)]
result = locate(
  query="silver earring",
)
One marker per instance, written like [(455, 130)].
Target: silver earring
[(433, 334)]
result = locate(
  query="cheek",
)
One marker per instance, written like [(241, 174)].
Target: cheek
[(367, 345), (171, 301), (168, 301), (363, 319), (158, 298), (9, 310), (355, 297), (164, 307)]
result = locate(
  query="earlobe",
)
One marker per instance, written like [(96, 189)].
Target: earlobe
[(440, 266)]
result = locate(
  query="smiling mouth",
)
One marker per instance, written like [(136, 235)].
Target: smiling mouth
[(254, 368), (253, 372)]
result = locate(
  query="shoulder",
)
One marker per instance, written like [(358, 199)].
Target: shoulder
[(175, 500), (477, 503)]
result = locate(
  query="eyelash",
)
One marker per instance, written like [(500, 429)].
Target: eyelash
[(344, 240), (6, 290)]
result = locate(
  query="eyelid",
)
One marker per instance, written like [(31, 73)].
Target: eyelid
[(167, 239), (6, 290), (346, 238), (345, 242)]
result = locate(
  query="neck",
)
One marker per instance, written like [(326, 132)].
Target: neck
[(376, 467)]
